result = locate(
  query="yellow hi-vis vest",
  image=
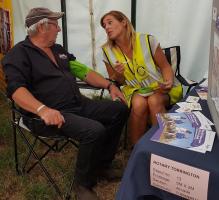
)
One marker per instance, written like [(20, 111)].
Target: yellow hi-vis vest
[(141, 71)]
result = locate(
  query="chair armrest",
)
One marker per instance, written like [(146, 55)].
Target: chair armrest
[(19, 114), (84, 85), (186, 82), (19, 118)]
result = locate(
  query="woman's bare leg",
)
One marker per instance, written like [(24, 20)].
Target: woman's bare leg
[(157, 103), (138, 118)]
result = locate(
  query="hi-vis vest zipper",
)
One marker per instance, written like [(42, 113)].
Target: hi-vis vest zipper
[(139, 72)]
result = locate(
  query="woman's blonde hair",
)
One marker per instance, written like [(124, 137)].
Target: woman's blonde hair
[(130, 33)]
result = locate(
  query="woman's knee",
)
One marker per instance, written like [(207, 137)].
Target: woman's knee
[(139, 104), (156, 103)]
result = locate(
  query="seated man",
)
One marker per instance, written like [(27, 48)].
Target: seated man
[(41, 80)]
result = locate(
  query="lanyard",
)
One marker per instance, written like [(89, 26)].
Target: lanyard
[(127, 62)]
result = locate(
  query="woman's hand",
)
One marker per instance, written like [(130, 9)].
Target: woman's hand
[(119, 67), (165, 86), (117, 72)]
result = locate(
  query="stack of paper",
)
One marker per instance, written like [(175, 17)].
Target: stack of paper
[(189, 105), (202, 92), (189, 130)]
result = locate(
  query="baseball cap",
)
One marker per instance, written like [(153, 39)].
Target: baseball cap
[(36, 14)]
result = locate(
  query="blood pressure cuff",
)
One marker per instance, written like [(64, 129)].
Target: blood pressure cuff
[(78, 69)]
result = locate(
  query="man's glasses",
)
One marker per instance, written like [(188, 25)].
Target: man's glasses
[(54, 23)]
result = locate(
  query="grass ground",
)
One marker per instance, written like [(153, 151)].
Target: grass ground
[(34, 186)]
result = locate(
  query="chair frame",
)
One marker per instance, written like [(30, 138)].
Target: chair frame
[(19, 129), (184, 81), (84, 85)]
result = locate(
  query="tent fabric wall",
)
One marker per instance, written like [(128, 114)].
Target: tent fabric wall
[(79, 33), (21, 8), (185, 23)]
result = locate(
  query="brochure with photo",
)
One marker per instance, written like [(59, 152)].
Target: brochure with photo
[(185, 130)]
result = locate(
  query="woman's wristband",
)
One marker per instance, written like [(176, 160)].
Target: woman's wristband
[(40, 108)]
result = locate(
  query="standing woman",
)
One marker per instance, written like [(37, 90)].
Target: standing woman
[(137, 62)]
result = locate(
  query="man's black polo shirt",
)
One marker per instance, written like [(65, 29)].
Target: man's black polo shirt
[(26, 65)]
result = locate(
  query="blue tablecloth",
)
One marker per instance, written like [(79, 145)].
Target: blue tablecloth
[(136, 179)]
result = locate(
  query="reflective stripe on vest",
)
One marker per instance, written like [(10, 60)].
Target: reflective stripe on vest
[(148, 59), (154, 72), (149, 66), (112, 59)]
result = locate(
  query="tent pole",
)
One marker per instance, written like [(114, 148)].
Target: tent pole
[(64, 25), (93, 36), (133, 13)]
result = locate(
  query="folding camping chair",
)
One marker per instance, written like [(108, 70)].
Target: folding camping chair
[(173, 56), (31, 139)]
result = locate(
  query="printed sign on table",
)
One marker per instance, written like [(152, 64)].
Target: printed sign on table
[(180, 179)]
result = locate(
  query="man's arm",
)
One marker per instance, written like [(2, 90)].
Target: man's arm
[(28, 102), (95, 79)]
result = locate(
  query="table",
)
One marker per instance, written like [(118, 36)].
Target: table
[(135, 183)]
